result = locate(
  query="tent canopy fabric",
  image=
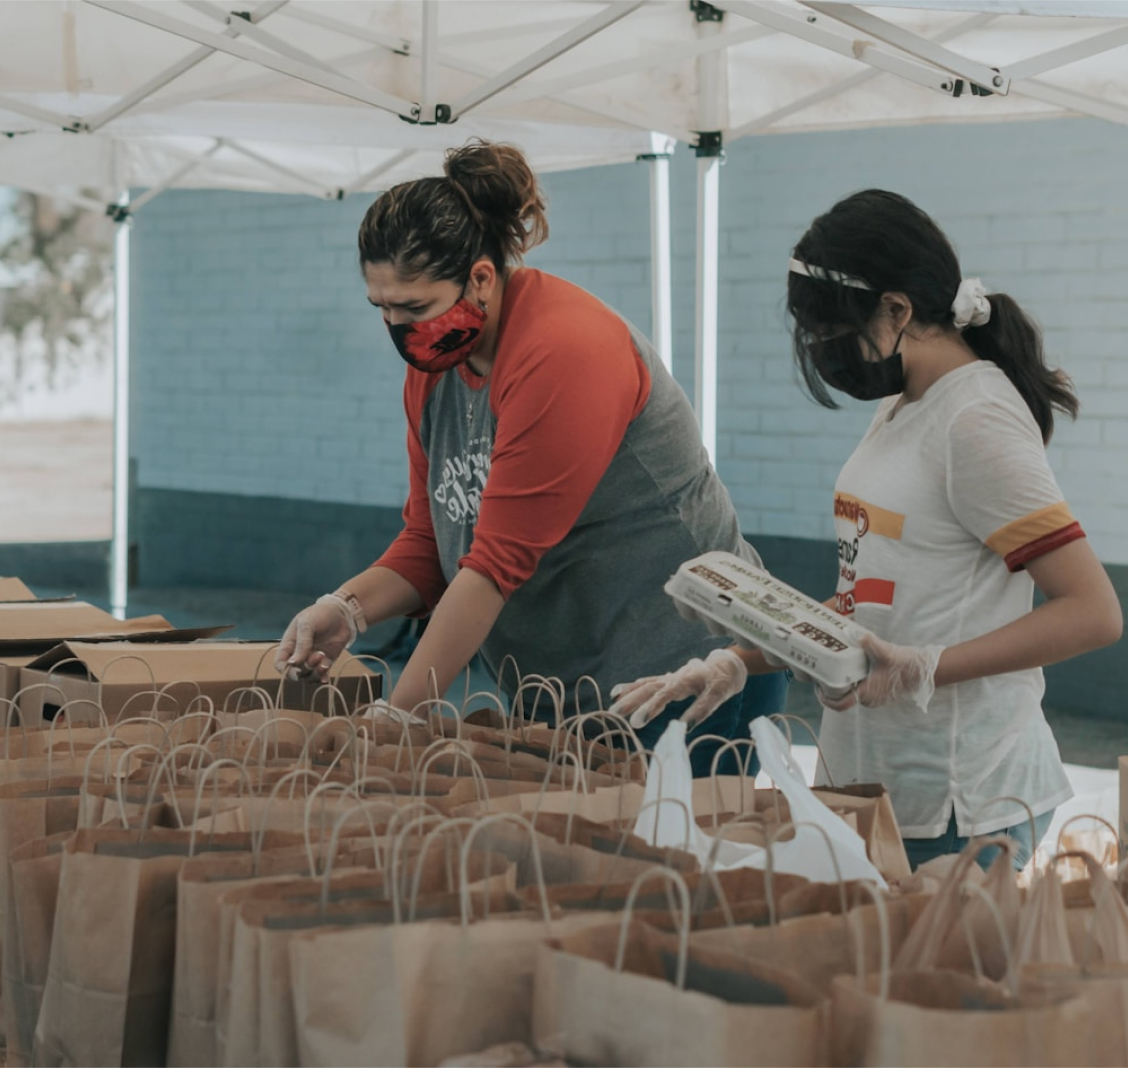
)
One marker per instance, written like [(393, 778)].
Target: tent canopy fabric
[(326, 97), (330, 97)]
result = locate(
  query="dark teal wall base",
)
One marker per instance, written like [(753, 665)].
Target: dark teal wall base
[(254, 543), (62, 565)]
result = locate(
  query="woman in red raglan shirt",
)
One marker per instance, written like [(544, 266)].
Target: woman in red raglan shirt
[(557, 473)]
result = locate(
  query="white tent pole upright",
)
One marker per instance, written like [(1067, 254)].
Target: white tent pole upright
[(661, 285), (428, 90), (709, 154), (119, 548)]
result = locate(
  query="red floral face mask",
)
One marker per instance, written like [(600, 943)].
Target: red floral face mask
[(438, 344)]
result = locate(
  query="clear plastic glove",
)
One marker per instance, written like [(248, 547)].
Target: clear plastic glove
[(898, 673), (316, 636), (714, 680), (383, 712)]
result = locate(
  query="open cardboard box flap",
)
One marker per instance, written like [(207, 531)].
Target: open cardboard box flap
[(164, 662), (12, 589), (114, 673), (32, 627)]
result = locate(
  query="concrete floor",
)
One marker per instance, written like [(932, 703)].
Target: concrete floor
[(55, 485)]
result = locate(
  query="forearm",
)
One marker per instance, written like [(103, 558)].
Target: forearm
[(383, 594), (1054, 631), (1081, 613), (458, 626)]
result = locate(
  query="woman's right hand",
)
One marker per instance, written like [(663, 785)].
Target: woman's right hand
[(316, 636), (721, 675)]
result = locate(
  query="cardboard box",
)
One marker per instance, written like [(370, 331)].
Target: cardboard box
[(111, 673), (31, 627), (12, 589), (10, 679)]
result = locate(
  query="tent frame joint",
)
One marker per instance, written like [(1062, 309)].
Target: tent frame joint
[(706, 12), (119, 213), (710, 145), (443, 115)]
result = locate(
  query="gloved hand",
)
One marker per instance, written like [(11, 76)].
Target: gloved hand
[(316, 636), (386, 713), (714, 680), (897, 673)]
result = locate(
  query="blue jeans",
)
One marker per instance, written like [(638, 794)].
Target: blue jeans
[(763, 695), (921, 849)]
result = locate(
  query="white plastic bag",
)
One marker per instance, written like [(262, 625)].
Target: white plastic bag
[(668, 807)]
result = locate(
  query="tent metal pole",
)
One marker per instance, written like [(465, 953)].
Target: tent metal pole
[(770, 118), (181, 172), (914, 45), (705, 353), (119, 547), (661, 287), (1059, 57), (709, 155), (611, 14), (861, 50), (145, 91), (51, 118), (335, 83), (428, 86)]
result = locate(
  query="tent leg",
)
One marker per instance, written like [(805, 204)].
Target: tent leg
[(661, 286), (119, 549), (708, 250)]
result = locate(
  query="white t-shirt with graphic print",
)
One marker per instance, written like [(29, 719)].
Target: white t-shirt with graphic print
[(936, 512)]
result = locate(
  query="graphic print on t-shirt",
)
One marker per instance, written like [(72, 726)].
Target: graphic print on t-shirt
[(458, 490), (855, 519)]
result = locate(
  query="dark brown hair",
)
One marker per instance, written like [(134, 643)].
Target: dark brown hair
[(886, 241), (487, 203)]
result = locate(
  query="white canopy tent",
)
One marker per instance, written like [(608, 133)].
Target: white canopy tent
[(328, 97)]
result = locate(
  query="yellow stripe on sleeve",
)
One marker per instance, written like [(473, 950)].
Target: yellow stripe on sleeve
[(1030, 528)]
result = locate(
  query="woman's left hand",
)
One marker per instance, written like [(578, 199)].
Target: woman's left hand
[(897, 673)]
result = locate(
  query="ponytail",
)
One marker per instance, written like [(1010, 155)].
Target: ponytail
[(1012, 340)]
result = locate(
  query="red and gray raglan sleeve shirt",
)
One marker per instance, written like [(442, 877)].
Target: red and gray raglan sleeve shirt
[(573, 477)]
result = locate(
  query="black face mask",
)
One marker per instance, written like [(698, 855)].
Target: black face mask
[(841, 365)]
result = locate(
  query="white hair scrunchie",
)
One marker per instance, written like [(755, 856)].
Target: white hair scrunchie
[(971, 306)]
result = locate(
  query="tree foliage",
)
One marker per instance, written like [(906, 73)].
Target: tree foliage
[(61, 258)]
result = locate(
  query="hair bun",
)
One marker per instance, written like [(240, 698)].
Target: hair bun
[(501, 193)]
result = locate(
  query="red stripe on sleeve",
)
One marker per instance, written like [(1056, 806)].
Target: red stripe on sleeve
[(1018, 559), (873, 591)]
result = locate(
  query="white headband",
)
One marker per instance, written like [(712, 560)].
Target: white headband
[(971, 306), (823, 274)]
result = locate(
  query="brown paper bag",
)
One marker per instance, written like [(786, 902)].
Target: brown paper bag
[(954, 926), (29, 920), (109, 980), (201, 883), (255, 1010), (669, 1004), (947, 1018), (816, 948), (416, 993)]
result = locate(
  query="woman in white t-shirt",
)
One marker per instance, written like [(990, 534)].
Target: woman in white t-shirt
[(947, 516)]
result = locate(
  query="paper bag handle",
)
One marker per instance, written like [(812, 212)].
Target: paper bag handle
[(787, 718), (464, 861), (673, 878)]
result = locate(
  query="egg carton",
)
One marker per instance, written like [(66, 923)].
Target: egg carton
[(738, 599)]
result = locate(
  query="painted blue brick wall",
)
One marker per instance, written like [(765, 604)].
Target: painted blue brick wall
[(260, 370)]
